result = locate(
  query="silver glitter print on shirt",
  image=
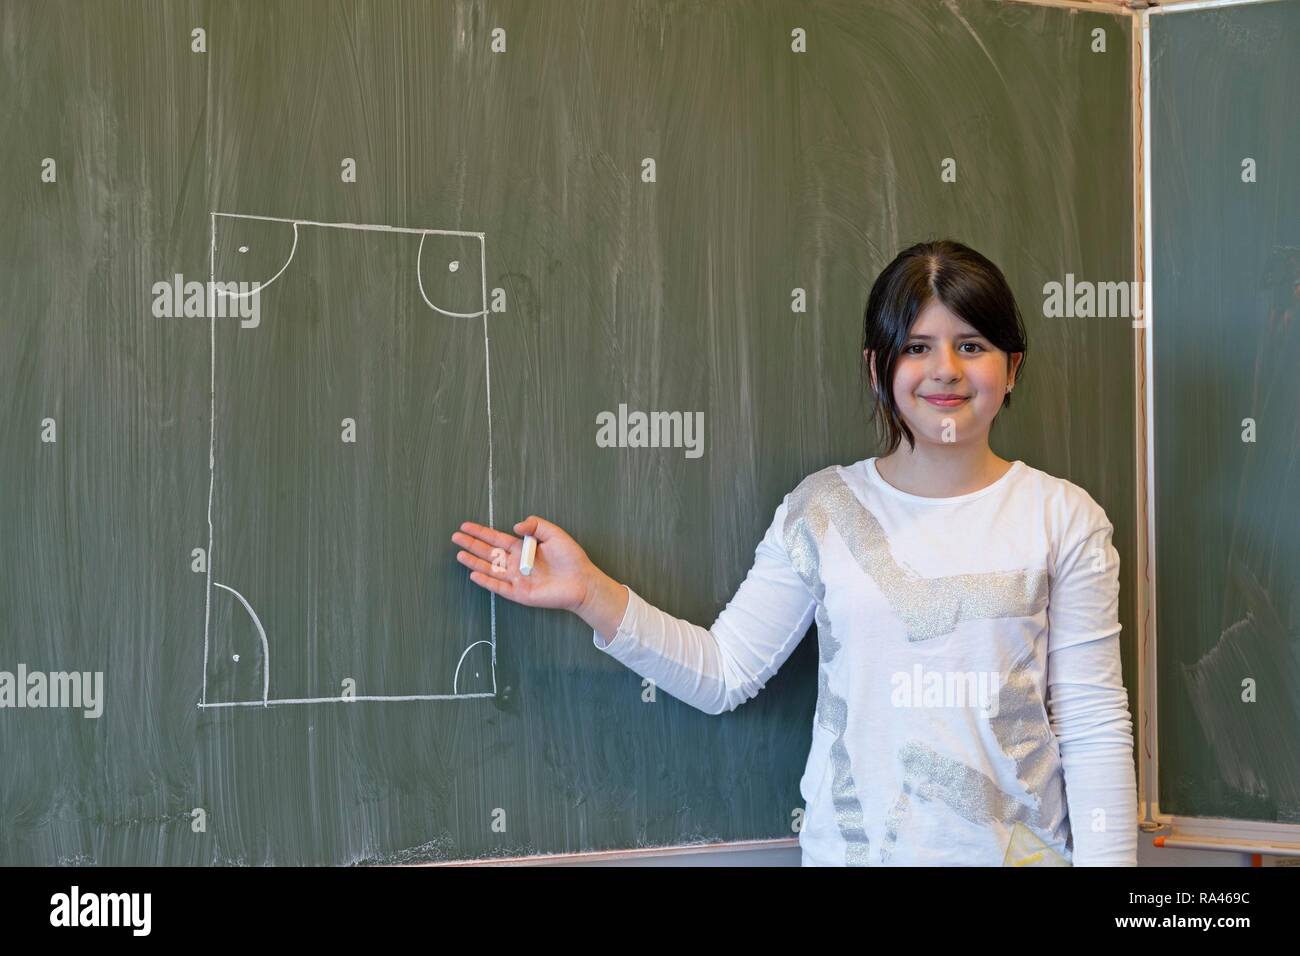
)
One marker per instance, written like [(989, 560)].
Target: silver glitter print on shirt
[(928, 607), (964, 790), (893, 820), (967, 792), (802, 538), (970, 794), (834, 713), (1025, 736)]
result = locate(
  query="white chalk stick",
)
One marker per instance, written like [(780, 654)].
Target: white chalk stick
[(530, 551)]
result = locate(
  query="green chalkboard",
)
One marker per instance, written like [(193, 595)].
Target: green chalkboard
[(1225, 207), (569, 209)]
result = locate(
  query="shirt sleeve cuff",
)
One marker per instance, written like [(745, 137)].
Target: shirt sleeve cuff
[(626, 627)]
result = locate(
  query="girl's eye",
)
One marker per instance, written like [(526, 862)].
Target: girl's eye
[(920, 345)]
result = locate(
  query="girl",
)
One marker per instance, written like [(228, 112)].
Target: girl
[(970, 707)]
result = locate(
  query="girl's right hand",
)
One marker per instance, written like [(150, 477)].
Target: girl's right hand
[(562, 573)]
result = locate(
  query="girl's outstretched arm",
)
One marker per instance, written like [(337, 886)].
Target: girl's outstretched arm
[(715, 669)]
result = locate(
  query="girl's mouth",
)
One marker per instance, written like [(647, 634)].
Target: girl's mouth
[(944, 401)]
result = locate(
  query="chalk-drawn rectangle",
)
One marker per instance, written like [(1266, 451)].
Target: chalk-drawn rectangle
[(350, 434)]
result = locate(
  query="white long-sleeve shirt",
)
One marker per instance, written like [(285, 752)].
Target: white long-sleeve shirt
[(970, 704)]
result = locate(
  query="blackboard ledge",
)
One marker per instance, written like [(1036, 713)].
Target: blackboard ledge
[(614, 856)]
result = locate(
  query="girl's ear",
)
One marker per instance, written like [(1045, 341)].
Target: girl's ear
[(871, 366), (1016, 359)]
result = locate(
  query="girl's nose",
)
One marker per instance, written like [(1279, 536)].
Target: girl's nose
[(943, 362)]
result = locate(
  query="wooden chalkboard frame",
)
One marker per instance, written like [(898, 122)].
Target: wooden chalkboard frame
[(1184, 832)]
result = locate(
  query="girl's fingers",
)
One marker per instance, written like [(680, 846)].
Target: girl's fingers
[(495, 538), (475, 545), (504, 588), (475, 564), (539, 528)]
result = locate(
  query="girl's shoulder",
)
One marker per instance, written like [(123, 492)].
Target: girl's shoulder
[(1070, 514), (1065, 496)]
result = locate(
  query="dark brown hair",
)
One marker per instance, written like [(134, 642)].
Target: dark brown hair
[(968, 284)]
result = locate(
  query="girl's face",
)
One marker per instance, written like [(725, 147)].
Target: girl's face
[(949, 380)]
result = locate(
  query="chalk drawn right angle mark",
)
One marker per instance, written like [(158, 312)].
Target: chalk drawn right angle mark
[(265, 642)]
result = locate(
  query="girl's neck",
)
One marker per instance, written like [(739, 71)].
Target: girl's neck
[(941, 471)]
